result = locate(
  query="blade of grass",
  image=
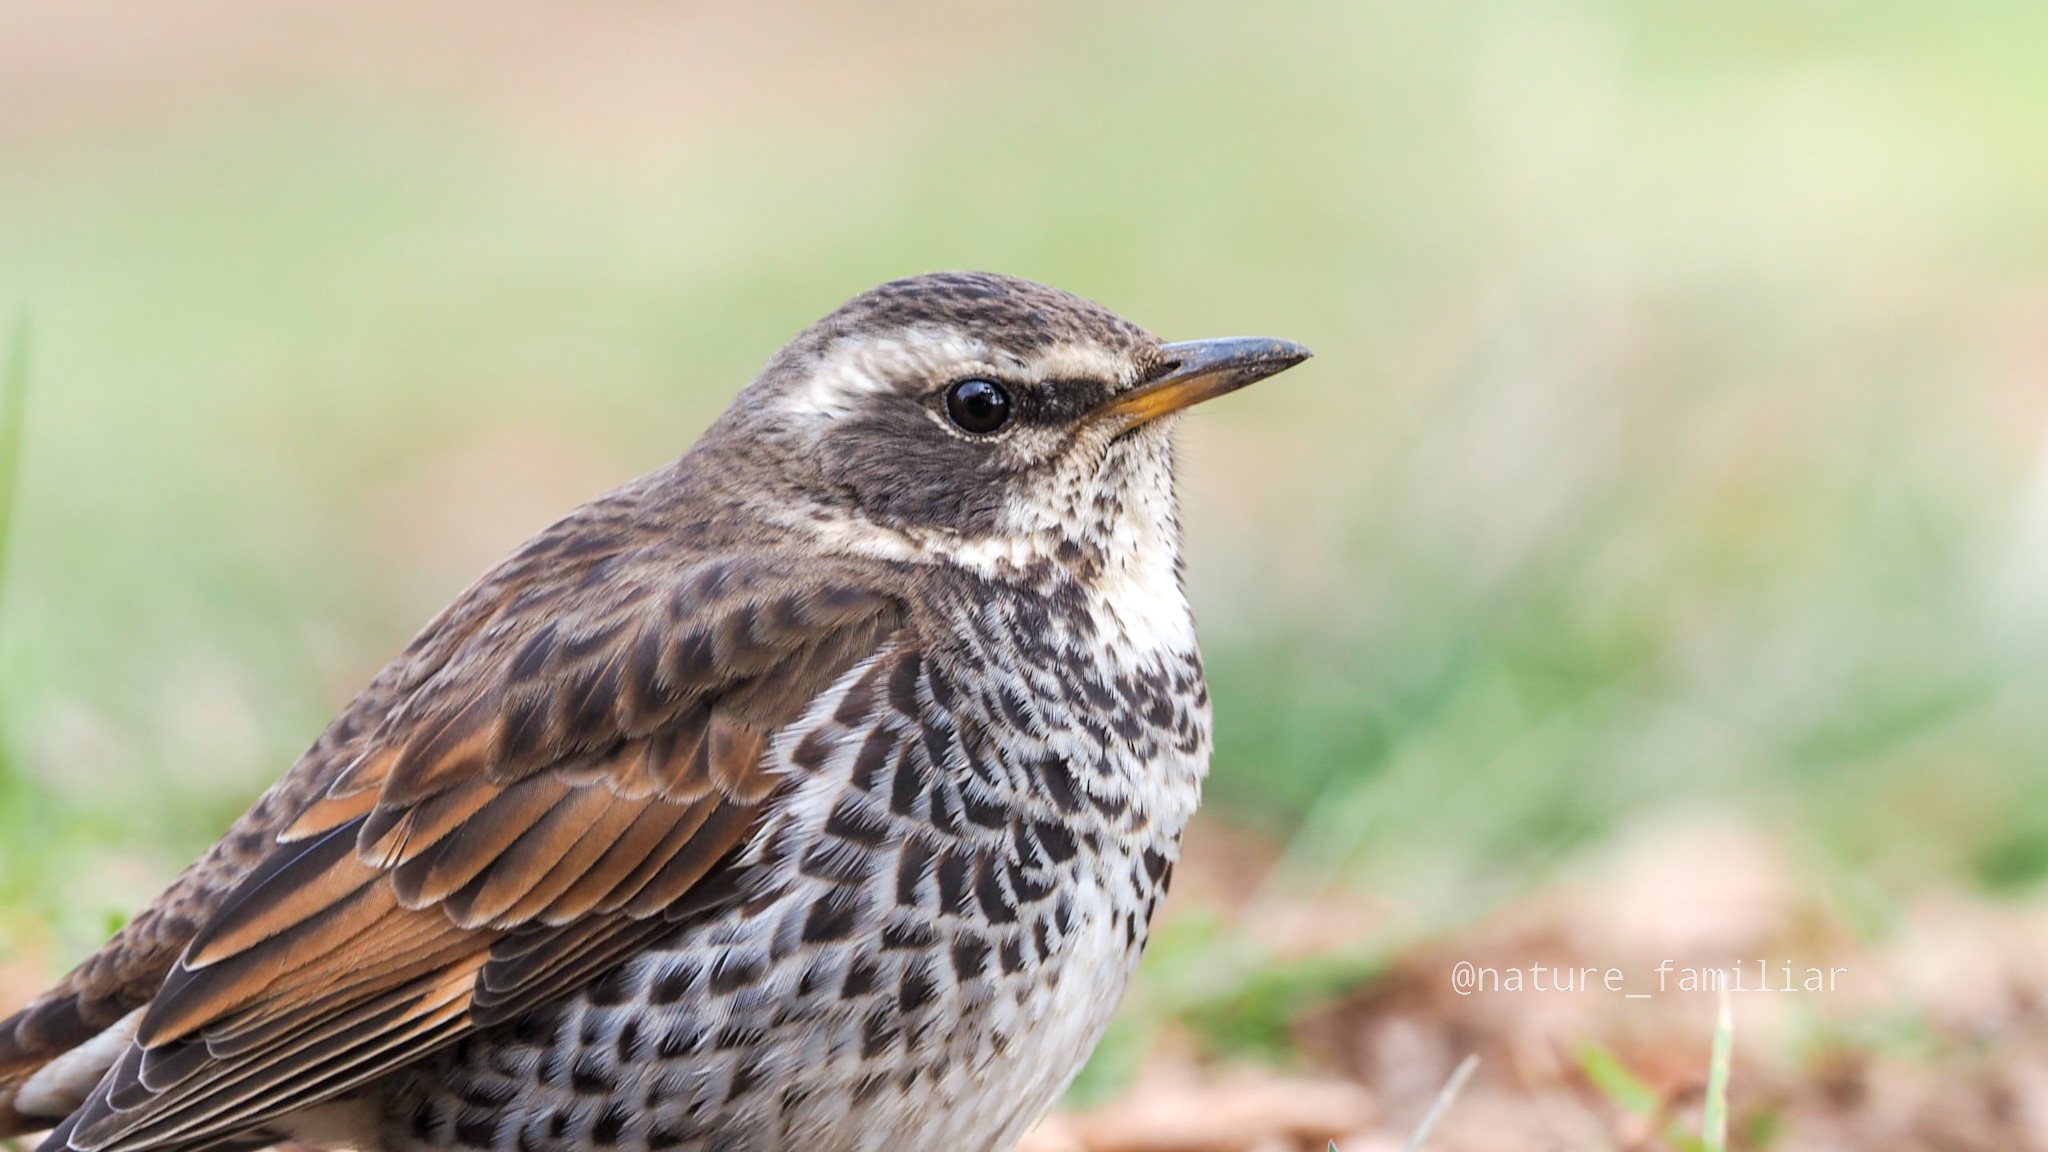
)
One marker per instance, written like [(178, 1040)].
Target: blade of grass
[(13, 405), (1628, 1091), (1442, 1104), (14, 845), (1714, 1127), (1614, 1080)]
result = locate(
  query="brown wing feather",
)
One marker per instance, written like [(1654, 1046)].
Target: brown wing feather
[(125, 973), (511, 810)]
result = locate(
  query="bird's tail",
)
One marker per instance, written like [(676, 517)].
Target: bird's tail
[(52, 1053)]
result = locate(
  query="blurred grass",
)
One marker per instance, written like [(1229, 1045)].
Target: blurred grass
[(1675, 434), (17, 828)]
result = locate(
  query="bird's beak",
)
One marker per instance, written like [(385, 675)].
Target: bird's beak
[(1199, 370)]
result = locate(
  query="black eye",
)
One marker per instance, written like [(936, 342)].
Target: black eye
[(978, 406)]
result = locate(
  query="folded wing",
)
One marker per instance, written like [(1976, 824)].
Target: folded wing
[(536, 808)]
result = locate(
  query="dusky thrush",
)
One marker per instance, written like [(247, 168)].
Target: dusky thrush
[(813, 792)]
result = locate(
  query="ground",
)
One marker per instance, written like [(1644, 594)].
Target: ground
[(1928, 1028)]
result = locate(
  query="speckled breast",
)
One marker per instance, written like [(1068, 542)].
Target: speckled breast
[(927, 936)]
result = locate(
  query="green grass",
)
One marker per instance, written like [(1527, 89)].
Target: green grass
[(1670, 437), (1714, 1124), (18, 798), (1615, 1080)]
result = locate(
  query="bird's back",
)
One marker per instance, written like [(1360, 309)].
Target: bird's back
[(646, 540)]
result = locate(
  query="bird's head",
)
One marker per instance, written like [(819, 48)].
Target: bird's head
[(984, 419)]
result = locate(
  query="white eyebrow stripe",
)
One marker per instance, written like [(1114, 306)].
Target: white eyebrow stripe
[(865, 365)]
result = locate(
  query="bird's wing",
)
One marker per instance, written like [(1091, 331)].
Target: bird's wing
[(529, 811), (96, 1000)]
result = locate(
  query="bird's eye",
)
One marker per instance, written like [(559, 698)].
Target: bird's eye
[(978, 406)]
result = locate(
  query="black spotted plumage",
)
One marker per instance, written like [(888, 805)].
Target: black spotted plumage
[(816, 789)]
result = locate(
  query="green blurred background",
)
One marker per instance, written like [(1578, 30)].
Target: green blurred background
[(1676, 436)]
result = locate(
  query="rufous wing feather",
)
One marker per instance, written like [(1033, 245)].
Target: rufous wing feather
[(518, 822)]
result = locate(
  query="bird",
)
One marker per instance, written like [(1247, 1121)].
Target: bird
[(815, 790)]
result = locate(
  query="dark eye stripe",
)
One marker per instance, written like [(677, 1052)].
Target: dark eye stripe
[(1064, 401)]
